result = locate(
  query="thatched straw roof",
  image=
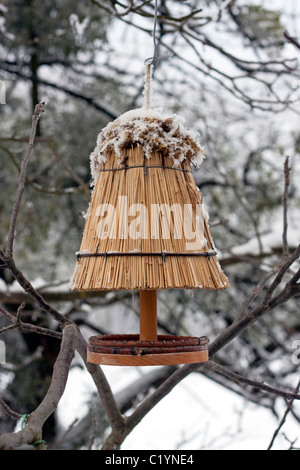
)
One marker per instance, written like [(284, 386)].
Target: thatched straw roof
[(146, 227)]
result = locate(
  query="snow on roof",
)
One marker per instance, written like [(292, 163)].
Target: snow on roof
[(151, 129)]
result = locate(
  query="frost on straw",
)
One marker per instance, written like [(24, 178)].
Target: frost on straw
[(151, 130)]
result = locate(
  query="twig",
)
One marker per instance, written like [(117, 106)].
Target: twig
[(16, 320), (285, 206), (75, 177), (265, 279), (282, 422), (292, 443), (7, 410), (291, 40), (67, 91), (54, 296), (282, 271), (117, 421), (25, 362), (82, 186), (94, 433), (27, 286), (244, 380), (39, 109), (268, 303), (57, 443), (256, 291), (18, 323), (19, 312), (114, 415)]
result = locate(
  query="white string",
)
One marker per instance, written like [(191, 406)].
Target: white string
[(148, 83)]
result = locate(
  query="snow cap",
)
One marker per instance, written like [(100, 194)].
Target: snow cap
[(153, 131)]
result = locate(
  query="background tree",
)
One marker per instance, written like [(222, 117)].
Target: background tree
[(227, 67)]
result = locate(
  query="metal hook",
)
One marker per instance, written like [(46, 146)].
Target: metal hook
[(154, 60)]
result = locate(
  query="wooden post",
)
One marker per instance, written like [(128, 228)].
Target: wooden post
[(148, 315)]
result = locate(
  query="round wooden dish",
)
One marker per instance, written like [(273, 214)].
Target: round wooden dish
[(129, 350)]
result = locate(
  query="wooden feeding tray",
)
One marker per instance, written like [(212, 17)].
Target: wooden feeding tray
[(147, 348), (129, 350)]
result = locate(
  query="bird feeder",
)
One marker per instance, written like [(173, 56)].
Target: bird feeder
[(146, 229)]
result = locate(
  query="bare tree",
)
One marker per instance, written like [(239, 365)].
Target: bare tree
[(184, 34)]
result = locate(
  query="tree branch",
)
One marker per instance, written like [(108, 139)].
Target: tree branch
[(32, 433), (214, 366), (289, 407), (18, 323), (8, 411), (39, 109), (117, 421), (292, 40), (75, 94), (27, 286), (285, 206), (254, 294), (268, 303)]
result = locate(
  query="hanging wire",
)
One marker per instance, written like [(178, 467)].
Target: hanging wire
[(151, 63), (154, 59)]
